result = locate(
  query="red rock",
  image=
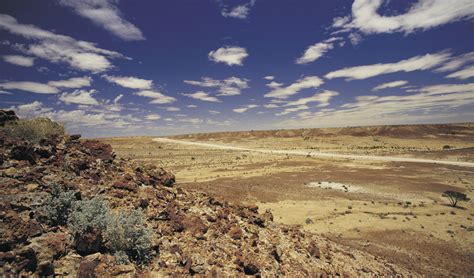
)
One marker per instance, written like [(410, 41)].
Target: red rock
[(235, 233), (99, 150), (130, 186), (90, 242)]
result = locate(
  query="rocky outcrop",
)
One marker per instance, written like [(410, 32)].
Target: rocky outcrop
[(193, 233)]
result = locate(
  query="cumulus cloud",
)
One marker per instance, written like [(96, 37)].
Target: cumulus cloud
[(230, 55), (424, 62), (316, 51), (423, 15), (392, 84), (105, 14), (231, 86), (152, 117), (245, 108), (465, 73), (80, 55), (269, 77), (32, 87), (19, 60), (130, 82), (82, 97), (309, 82), (200, 95), (157, 97), (75, 82)]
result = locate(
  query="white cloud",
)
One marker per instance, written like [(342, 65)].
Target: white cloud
[(28, 86), (240, 12), (392, 84), (230, 55), (463, 74), (80, 55), (130, 82), (457, 62), (76, 82), (269, 77), (316, 51), (200, 95), (81, 97), (231, 86), (309, 82), (274, 85), (157, 97), (172, 109), (5, 93), (440, 102), (214, 112), (153, 117), (105, 13), (271, 105), (191, 106), (245, 108), (323, 98), (19, 60), (424, 62), (293, 109), (355, 38), (423, 15)]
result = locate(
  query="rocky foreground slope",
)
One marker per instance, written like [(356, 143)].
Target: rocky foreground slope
[(191, 233)]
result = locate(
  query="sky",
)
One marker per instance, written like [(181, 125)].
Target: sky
[(121, 68)]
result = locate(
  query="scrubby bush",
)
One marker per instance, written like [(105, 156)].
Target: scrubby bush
[(88, 214), (59, 205), (33, 130), (126, 233)]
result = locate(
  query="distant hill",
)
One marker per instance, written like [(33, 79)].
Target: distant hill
[(464, 131)]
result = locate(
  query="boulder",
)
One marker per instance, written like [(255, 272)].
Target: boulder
[(23, 152)]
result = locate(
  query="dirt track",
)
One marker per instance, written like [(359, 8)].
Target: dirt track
[(318, 154)]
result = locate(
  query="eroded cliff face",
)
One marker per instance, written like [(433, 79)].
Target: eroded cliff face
[(192, 233)]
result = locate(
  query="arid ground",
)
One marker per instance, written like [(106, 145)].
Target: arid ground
[(388, 203)]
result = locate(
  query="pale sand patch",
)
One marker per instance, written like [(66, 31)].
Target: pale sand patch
[(334, 185)]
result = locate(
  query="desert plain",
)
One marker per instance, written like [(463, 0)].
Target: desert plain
[(377, 189)]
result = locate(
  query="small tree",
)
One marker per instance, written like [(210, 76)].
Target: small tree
[(454, 197)]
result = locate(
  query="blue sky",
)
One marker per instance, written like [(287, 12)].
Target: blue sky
[(112, 68)]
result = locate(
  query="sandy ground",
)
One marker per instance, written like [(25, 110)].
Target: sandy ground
[(393, 209)]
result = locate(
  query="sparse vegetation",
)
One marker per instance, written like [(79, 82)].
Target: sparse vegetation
[(59, 205), (454, 197), (124, 233), (33, 130)]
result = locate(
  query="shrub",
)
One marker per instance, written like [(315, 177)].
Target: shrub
[(33, 130), (59, 205), (88, 214), (126, 233), (454, 197)]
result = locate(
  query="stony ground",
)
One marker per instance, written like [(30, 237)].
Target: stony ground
[(193, 233), (393, 211)]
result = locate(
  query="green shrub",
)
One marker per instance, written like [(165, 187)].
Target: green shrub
[(59, 205), (126, 233), (33, 130)]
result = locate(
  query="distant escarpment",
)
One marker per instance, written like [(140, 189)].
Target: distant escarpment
[(70, 208)]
